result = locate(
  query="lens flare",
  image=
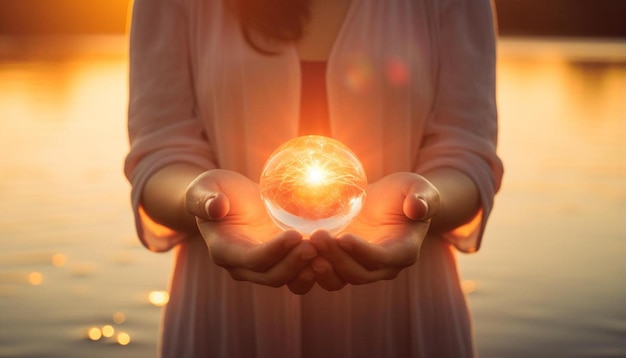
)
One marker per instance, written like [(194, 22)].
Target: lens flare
[(397, 72), (359, 74), (311, 183)]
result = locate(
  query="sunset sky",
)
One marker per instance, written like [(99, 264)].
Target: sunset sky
[(588, 18)]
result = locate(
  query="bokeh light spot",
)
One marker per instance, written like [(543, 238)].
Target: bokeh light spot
[(94, 333), (58, 260), (108, 330), (123, 338), (35, 278), (397, 72), (159, 298), (468, 286), (119, 317), (359, 74)]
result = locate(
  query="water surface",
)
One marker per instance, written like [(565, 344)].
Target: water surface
[(549, 280)]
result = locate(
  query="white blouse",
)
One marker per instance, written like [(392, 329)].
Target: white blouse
[(411, 87)]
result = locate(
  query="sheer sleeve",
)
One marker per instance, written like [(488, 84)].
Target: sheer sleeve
[(163, 123), (462, 131)]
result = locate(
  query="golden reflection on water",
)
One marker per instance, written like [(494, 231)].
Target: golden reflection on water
[(111, 332), (108, 332), (69, 249), (563, 113), (550, 272)]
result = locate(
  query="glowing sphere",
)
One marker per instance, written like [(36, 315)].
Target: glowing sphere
[(311, 183)]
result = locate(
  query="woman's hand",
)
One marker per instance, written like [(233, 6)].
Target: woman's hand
[(241, 236), (383, 239)]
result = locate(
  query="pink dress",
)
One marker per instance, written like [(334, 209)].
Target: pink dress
[(411, 87)]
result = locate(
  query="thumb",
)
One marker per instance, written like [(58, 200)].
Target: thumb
[(416, 208), (204, 200), (216, 206), (422, 202)]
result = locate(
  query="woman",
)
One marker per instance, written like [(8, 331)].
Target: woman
[(408, 85)]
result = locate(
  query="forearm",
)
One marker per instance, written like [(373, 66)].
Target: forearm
[(163, 197), (459, 198)]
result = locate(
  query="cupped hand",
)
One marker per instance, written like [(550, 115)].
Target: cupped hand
[(383, 239), (241, 236)]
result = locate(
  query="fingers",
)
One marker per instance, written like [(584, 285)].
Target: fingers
[(286, 271), (390, 253), (231, 252), (262, 257), (344, 266), (330, 262), (303, 282), (372, 257), (326, 276)]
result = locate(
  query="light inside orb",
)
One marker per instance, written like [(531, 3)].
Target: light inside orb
[(316, 175), (311, 183)]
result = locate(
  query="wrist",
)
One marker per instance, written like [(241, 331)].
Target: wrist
[(459, 200), (164, 196)]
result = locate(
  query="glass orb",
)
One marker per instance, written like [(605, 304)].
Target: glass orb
[(311, 183)]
